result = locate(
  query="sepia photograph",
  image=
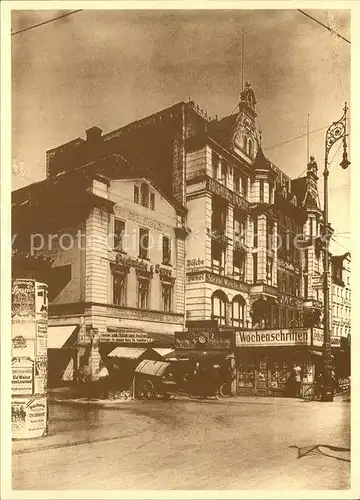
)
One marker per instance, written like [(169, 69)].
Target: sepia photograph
[(180, 249)]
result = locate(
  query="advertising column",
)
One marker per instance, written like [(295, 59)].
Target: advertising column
[(29, 406)]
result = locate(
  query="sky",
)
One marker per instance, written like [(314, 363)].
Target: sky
[(110, 67)]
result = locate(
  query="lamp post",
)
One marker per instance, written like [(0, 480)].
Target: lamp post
[(334, 133)]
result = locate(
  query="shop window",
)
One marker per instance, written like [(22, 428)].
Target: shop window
[(143, 293), (246, 374), (119, 289), (143, 243), (119, 233), (167, 290), (144, 195), (218, 307), (152, 201), (238, 311), (136, 194), (166, 250)]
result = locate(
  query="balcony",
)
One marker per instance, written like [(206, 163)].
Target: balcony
[(230, 196)]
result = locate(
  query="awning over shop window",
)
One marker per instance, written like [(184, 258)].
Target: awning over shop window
[(59, 337), (163, 351), (127, 352), (150, 367), (196, 354)]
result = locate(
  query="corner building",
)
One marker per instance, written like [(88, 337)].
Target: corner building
[(236, 218)]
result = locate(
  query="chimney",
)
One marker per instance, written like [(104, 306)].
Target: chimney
[(93, 134)]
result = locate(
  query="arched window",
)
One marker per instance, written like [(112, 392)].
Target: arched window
[(238, 311), (144, 195), (218, 306)]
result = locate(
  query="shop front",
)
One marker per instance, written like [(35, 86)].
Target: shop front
[(205, 354), (122, 349), (265, 360)]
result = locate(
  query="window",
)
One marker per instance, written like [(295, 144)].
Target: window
[(166, 296), (217, 257), (136, 194), (166, 250), (271, 193), (236, 183), (143, 293), (218, 307), (144, 192), (119, 289), (152, 201), (143, 243), (254, 267), (214, 164), (269, 234), (238, 311), (218, 218), (261, 190), (119, 232), (224, 172), (239, 227), (269, 270), (245, 143), (255, 239), (239, 264), (250, 147)]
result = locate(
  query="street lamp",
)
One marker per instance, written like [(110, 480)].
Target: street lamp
[(334, 133)]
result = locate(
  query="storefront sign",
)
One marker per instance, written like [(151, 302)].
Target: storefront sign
[(22, 376), (317, 336), (335, 341), (126, 337), (287, 337), (193, 263), (29, 417), (201, 338)]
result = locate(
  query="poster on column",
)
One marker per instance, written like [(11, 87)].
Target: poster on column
[(22, 376), (40, 379), (23, 301), (41, 338), (28, 417)]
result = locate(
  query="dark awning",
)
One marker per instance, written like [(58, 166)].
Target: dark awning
[(196, 354), (150, 367)]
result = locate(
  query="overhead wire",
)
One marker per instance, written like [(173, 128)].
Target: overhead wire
[(45, 22), (324, 25)]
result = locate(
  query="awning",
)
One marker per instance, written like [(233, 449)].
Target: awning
[(162, 350), (127, 352), (150, 367), (196, 354), (61, 336), (316, 353)]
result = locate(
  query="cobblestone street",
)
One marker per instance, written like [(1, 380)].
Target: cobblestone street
[(229, 444)]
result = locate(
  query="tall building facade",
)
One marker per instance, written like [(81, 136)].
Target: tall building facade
[(244, 240), (341, 296)]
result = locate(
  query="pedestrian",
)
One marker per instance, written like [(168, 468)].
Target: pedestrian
[(297, 379)]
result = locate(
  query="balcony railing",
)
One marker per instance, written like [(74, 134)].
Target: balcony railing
[(216, 188)]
